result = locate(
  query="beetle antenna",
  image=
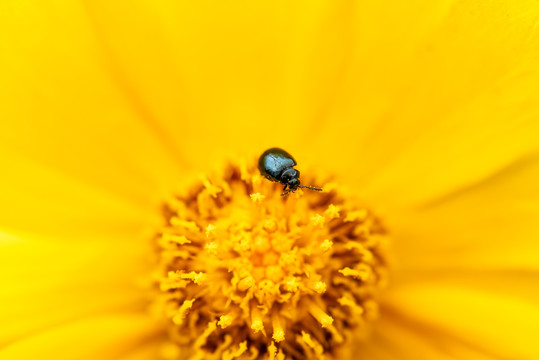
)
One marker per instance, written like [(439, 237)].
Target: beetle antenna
[(310, 187)]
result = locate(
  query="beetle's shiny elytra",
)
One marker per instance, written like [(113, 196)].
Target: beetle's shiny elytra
[(278, 166)]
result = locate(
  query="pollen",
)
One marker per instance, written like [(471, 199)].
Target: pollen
[(224, 321), (257, 197), (244, 273)]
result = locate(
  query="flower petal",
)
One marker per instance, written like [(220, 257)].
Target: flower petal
[(38, 199), (489, 226), (63, 108), (466, 108), (395, 338), (48, 282), (501, 325), (151, 350), (229, 77), (104, 337)]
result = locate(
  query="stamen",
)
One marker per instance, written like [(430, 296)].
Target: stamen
[(332, 212), (326, 245), (318, 220), (320, 287), (307, 340), (198, 278), (278, 332), (175, 239), (182, 312), (256, 319), (224, 321), (244, 273), (324, 319), (257, 198), (210, 230)]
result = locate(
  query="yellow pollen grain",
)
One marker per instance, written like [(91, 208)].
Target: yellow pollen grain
[(210, 230), (257, 198), (324, 319), (257, 326), (332, 212), (292, 284), (318, 220), (257, 323), (278, 335), (278, 331), (197, 278), (262, 269), (326, 245), (224, 321), (320, 287), (174, 275), (211, 248)]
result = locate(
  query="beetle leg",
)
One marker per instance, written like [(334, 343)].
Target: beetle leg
[(285, 185)]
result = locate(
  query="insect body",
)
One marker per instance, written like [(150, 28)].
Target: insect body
[(278, 166)]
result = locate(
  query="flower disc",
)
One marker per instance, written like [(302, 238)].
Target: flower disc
[(245, 273)]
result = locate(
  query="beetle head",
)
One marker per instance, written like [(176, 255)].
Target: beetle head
[(291, 178)]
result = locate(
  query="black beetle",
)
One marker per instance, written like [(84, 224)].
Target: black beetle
[(278, 166)]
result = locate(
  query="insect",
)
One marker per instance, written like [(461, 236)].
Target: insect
[(278, 166)]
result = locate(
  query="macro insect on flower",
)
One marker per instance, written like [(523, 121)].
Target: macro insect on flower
[(245, 274), (277, 165), (126, 232)]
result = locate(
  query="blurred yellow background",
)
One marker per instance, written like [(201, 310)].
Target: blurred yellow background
[(429, 110)]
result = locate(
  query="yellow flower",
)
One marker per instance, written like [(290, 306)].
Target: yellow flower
[(425, 110)]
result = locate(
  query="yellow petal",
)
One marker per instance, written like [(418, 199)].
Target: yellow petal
[(48, 282), (151, 350), (63, 107), (517, 283), (104, 337), (396, 338), (230, 76), (489, 226), (501, 325), (37, 199), (441, 108)]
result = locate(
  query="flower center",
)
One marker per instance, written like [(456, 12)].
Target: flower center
[(246, 273)]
